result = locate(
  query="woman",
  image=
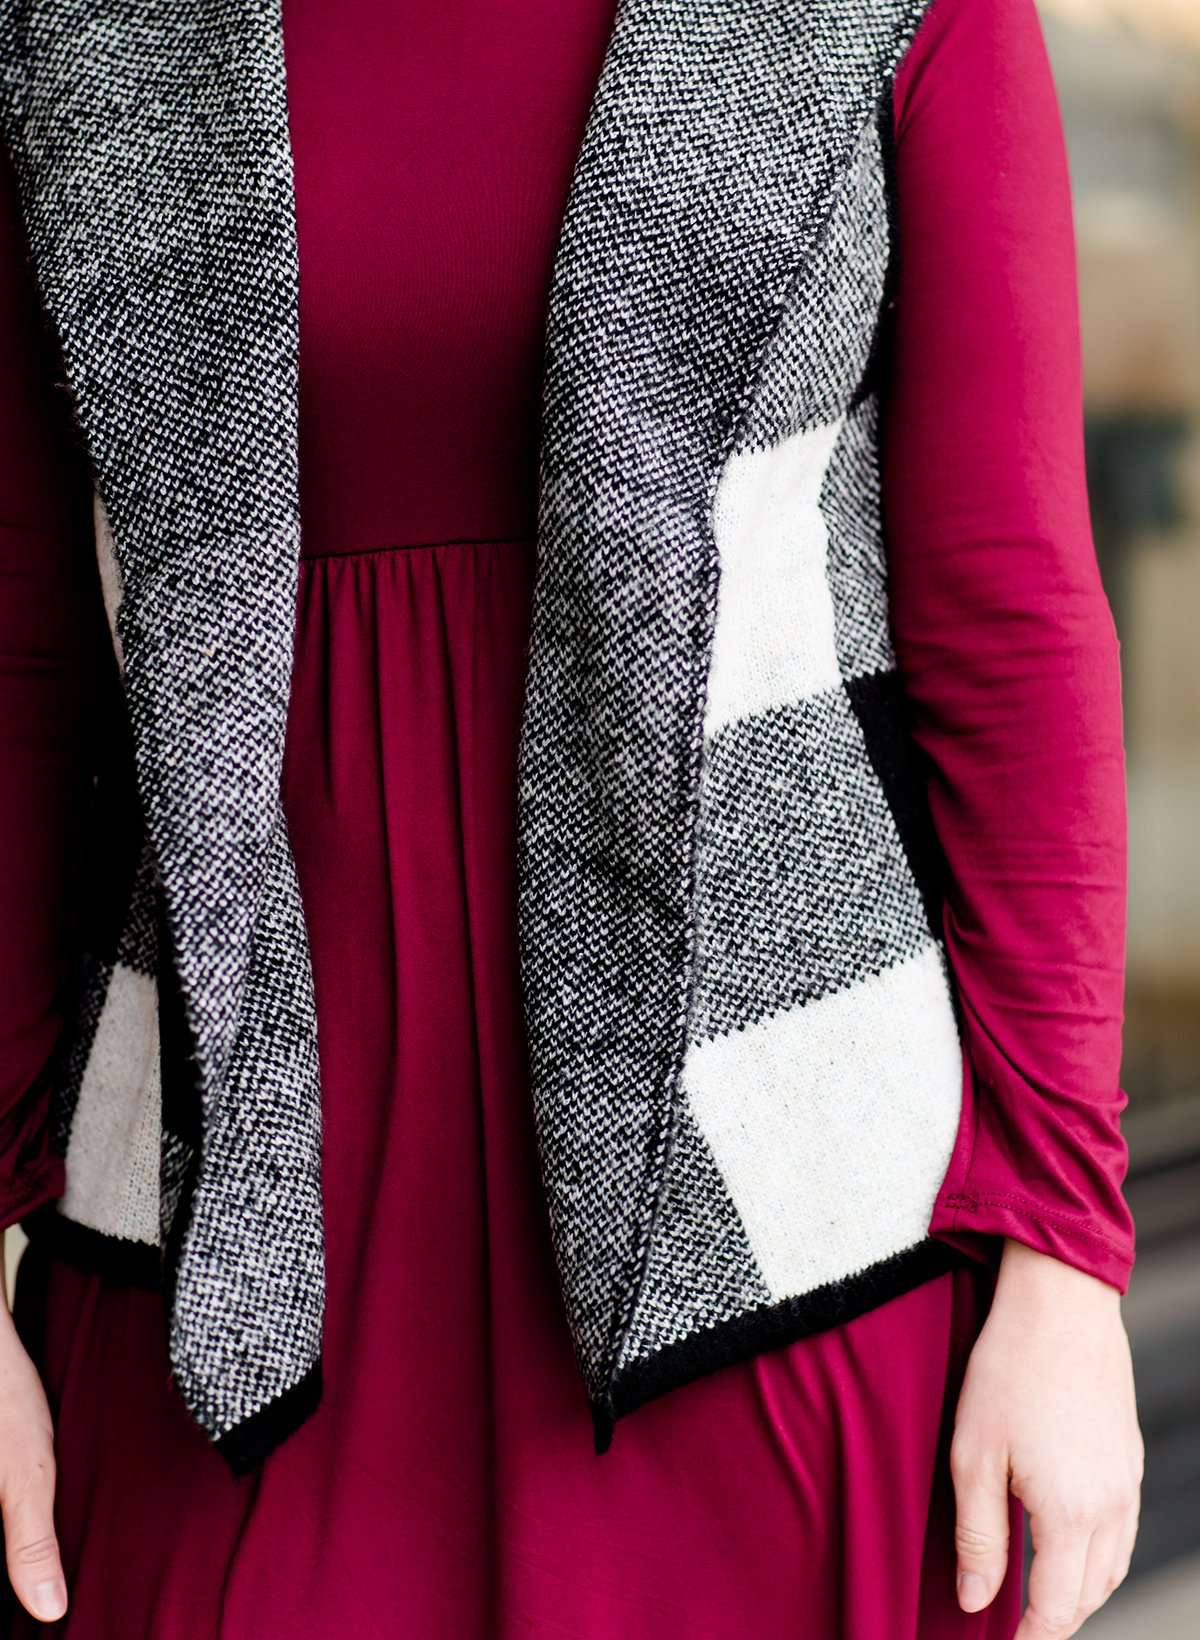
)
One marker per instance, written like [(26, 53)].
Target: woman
[(840, 1245)]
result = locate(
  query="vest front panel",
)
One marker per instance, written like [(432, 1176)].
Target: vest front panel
[(728, 889)]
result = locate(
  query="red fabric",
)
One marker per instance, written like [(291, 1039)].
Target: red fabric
[(446, 1486)]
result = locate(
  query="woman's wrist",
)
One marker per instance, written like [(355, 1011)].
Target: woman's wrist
[(1039, 1280)]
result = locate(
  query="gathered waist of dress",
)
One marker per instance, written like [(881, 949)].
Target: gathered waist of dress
[(316, 551)]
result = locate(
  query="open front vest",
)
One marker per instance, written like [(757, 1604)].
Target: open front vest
[(743, 1037)]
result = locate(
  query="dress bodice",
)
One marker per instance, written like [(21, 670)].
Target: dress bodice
[(429, 201)]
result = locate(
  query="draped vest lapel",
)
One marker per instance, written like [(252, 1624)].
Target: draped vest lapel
[(155, 153), (152, 148), (718, 138)]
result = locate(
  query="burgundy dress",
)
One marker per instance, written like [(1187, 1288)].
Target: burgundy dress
[(447, 1487)]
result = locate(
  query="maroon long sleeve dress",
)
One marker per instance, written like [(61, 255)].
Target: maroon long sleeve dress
[(447, 1486)]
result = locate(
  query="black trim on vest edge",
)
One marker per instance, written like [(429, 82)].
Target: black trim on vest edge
[(246, 1445), (771, 1327), (133, 1263), (138, 1264)]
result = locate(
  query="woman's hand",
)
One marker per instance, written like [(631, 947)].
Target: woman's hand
[(1047, 1408), (27, 1478)]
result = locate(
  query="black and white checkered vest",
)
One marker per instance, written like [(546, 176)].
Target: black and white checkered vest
[(743, 1036)]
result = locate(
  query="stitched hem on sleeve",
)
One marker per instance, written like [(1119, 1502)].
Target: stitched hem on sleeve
[(1085, 1247)]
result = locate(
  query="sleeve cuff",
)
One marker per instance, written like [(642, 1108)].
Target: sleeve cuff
[(964, 1220)]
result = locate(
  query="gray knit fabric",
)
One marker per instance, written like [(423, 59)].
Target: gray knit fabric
[(150, 141), (742, 1037)]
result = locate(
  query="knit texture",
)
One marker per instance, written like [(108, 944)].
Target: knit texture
[(746, 1055), (150, 141), (743, 1043)]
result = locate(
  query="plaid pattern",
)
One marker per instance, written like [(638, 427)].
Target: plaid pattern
[(742, 1035), (745, 1048)]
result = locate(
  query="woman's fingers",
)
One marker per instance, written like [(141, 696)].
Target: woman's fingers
[(1060, 1555), (1104, 1568), (27, 1475), (981, 1524), (1127, 1541), (1109, 1554), (30, 1544)]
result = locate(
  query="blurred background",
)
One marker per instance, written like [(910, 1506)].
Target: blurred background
[(1128, 75)]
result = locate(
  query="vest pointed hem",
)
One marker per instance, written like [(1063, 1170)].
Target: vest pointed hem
[(777, 1325), (246, 1445)]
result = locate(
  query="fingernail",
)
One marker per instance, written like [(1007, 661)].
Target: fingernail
[(49, 1600), (972, 1592)]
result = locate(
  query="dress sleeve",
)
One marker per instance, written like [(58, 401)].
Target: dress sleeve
[(49, 602), (1005, 638)]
